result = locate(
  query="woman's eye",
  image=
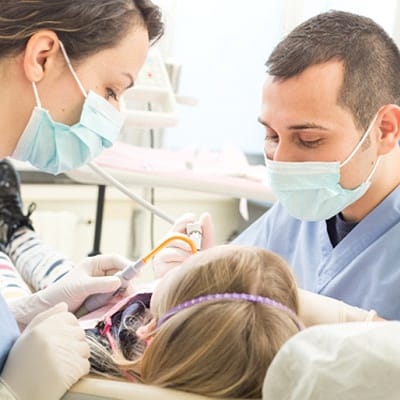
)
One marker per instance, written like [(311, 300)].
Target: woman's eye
[(272, 138), (111, 94)]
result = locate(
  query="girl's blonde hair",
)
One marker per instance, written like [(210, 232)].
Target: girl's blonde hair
[(219, 348)]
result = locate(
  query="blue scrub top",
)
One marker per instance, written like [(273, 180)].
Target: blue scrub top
[(362, 270), (9, 331)]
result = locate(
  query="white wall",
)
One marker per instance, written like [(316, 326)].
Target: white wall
[(222, 46)]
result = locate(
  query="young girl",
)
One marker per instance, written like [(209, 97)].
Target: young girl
[(213, 326)]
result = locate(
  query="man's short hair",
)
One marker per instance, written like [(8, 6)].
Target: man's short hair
[(370, 58)]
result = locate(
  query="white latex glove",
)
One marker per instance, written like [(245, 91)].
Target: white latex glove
[(92, 275), (48, 358), (177, 252), (315, 309)]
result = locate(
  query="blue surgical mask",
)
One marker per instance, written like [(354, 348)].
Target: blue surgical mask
[(55, 147), (311, 191)]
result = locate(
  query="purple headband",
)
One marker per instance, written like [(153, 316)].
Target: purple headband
[(230, 296)]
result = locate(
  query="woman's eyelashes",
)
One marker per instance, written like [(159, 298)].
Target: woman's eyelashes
[(111, 94)]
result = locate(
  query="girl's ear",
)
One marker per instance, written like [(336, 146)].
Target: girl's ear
[(389, 128), (40, 52), (145, 332)]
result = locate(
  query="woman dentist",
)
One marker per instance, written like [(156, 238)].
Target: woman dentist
[(63, 68)]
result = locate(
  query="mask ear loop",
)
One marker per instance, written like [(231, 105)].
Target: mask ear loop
[(67, 60), (366, 134), (373, 169), (360, 143), (36, 94)]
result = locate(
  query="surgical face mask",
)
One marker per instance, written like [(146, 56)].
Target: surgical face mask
[(55, 147), (311, 191)]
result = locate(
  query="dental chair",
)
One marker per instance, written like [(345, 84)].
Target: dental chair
[(349, 361), (94, 388)]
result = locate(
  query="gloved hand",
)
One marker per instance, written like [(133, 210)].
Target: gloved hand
[(177, 252), (92, 275), (48, 358), (315, 309)]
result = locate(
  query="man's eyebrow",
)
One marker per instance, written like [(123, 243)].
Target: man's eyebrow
[(298, 127), (307, 125), (130, 77)]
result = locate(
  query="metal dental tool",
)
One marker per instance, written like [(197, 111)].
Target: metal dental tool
[(195, 233), (98, 300), (194, 237)]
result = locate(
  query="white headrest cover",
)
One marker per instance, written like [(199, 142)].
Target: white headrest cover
[(340, 361)]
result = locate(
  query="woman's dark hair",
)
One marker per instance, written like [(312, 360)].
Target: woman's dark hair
[(84, 26)]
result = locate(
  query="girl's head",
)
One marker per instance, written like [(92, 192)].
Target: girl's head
[(220, 348)]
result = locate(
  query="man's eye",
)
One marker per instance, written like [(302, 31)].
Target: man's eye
[(111, 94), (310, 143)]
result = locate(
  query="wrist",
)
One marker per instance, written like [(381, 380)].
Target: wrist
[(373, 316), (26, 308)]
